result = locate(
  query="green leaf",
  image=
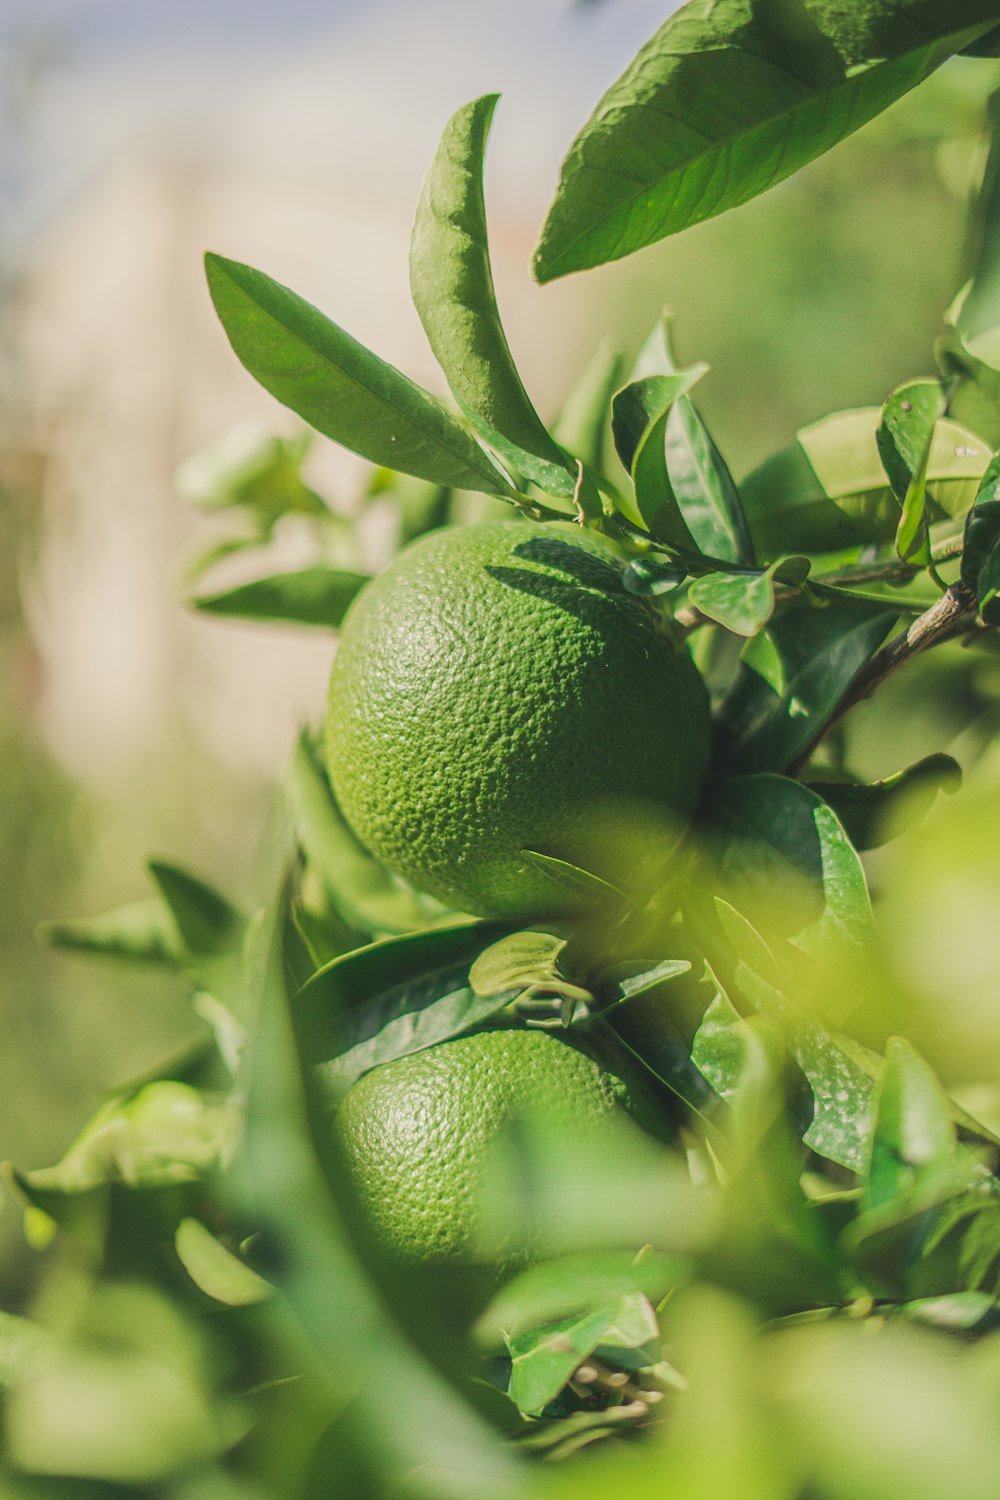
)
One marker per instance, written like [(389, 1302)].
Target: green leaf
[(588, 889), (390, 999), (411, 1419), (639, 416), (905, 439), (451, 283), (981, 542), (628, 981), (649, 577), (341, 388), (361, 889), (143, 931), (719, 1049), (576, 1285), (828, 489), (792, 677), (914, 1138), (523, 961), (208, 923), (839, 1076), (728, 99), (740, 602), (702, 484), (784, 859), (311, 596), (249, 467), (873, 813), (166, 1133), (544, 1359), (977, 324), (119, 1400), (215, 1270)]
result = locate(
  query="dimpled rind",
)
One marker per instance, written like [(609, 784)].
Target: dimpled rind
[(497, 689), (414, 1133)]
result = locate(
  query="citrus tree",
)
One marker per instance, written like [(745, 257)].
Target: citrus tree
[(612, 1067)]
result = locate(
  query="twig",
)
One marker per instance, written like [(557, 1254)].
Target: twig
[(948, 616), (891, 570)]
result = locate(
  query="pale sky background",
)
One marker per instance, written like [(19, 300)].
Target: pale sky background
[(346, 88)]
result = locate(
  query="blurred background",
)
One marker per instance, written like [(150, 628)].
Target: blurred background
[(296, 138)]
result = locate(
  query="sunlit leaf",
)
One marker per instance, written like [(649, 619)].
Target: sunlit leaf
[(828, 489), (311, 596), (699, 476), (543, 1360), (219, 1273), (341, 388), (724, 102), (392, 998), (143, 930), (905, 439), (913, 1138), (451, 283), (784, 859)]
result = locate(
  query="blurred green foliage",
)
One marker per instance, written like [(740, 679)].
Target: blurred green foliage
[(813, 1310)]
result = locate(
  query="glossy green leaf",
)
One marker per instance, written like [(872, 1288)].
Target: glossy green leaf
[(580, 1285), (792, 677), (726, 100), (913, 1137), (829, 490), (392, 998), (215, 1270), (451, 283), (639, 417), (905, 439), (649, 577), (980, 568), (628, 981), (784, 859), (720, 1044), (839, 1075), (341, 388), (586, 888), (877, 811), (699, 476), (142, 930), (544, 1359), (311, 596), (361, 889), (523, 961), (740, 602)]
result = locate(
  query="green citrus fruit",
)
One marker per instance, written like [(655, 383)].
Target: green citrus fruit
[(497, 689), (414, 1134)]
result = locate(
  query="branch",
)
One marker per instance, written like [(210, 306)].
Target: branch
[(890, 570), (949, 616)]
